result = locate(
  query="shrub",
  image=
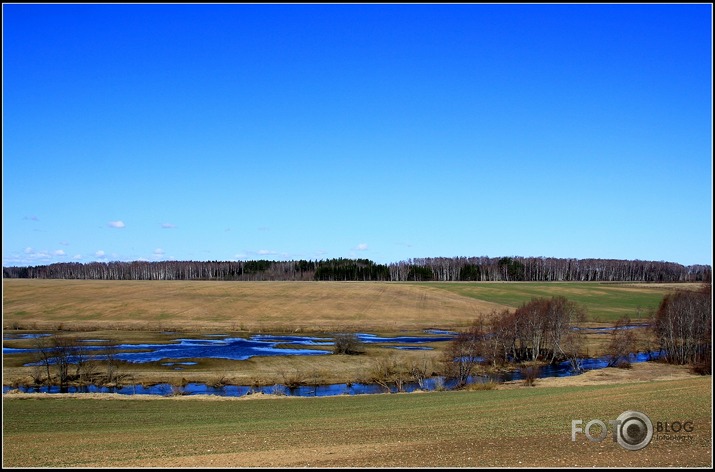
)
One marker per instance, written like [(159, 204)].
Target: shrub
[(702, 368), (530, 373), (489, 385), (348, 343)]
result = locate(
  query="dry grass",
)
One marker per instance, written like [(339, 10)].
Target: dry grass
[(245, 306), (639, 372)]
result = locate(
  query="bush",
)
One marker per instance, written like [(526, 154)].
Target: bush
[(348, 343), (530, 374), (390, 371), (702, 368), (489, 385)]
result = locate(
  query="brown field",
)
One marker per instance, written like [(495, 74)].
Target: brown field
[(297, 306), (244, 306)]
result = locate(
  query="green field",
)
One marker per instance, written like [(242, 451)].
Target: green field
[(604, 302), (520, 427)]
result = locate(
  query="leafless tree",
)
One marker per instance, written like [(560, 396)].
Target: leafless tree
[(436, 268), (465, 352), (389, 371), (63, 349), (622, 344), (420, 369), (112, 363), (43, 356), (683, 325)]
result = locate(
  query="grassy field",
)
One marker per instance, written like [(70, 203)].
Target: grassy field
[(246, 306), (297, 306), (511, 427), (604, 302)]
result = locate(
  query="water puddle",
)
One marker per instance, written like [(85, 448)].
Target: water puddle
[(220, 346)]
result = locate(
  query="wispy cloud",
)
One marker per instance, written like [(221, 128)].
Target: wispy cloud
[(168, 225), (59, 252), (268, 253), (100, 254), (32, 218), (32, 256), (116, 224), (361, 247)]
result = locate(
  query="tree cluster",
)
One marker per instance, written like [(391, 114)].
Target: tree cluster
[(539, 330), (445, 269), (542, 330), (72, 362), (683, 326)]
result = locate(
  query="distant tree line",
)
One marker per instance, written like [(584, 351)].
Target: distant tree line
[(445, 269)]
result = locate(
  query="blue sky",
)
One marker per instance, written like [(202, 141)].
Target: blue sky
[(388, 132)]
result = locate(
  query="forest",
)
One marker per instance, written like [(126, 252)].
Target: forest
[(443, 269)]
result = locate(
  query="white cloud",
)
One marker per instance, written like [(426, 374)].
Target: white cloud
[(265, 252), (59, 252), (36, 256), (159, 251), (100, 254), (361, 247), (77, 257), (117, 224)]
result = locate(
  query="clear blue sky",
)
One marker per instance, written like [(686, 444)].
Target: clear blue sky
[(388, 132)]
